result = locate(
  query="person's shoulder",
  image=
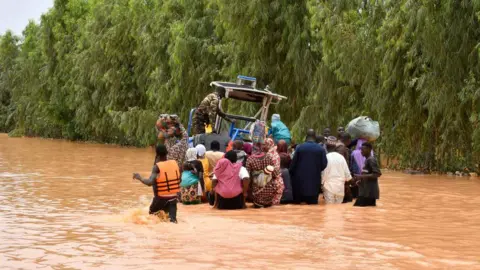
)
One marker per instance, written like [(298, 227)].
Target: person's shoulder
[(320, 148), (334, 156), (304, 145), (372, 161)]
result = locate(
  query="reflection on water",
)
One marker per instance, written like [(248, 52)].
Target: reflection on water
[(73, 205)]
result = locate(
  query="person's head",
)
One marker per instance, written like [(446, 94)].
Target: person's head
[(232, 156), (366, 149), (215, 146), (320, 139), (340, 131), (346, 139), (221, 92), (282, 146), (161, 152), (311, 136), (200, 150), (191, 154), (331, 144), (284, 160), (248, 147), (275, 117), (187, 166), (268, 145), (326, 132), (238, 145)]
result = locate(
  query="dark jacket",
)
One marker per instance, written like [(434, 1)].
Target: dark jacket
[(309, 160)]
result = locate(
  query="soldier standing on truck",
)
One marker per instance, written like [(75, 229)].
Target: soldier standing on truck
[(206, 112)]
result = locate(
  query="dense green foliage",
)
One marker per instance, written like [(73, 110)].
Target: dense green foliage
[(103, 70)]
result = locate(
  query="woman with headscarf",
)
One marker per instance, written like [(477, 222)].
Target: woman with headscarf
[(172, 133), (201, 150), (192, 157), (266, 191), (190, 190), (230, 182), (247, 147)]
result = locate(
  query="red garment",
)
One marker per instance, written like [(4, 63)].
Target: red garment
[(282, 147), (273, 155), (272, 192), (285, 159)]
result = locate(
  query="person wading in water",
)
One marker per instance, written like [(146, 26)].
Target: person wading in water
[(165, 180), (309, 160), (368, 190)]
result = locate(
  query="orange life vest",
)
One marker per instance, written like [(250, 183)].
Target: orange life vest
[(168, 180)]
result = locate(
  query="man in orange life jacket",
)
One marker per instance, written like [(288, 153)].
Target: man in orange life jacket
[(165, 180)]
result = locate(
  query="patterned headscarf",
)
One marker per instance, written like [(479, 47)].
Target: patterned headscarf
[(270, 146), (272, 153)]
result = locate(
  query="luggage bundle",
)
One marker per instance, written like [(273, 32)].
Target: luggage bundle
[(364, 127), (258, 132), (168, 125)]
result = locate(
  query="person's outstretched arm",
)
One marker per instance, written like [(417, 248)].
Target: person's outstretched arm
[(375, 172), (148, 181)]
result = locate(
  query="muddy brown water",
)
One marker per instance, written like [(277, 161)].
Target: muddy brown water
[(71, 205)]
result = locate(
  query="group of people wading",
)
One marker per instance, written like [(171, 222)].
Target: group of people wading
[(267, 172)]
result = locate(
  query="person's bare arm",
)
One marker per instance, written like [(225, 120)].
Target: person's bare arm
[(246, 184), (148, 181), (214, 183)]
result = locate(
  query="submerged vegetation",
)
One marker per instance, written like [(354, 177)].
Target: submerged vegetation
[(103, 70)]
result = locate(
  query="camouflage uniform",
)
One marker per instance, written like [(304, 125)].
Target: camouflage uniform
[(177, 142), (206, 113)]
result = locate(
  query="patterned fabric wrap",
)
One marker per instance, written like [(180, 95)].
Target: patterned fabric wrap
[(273, 155), (271, 193), (258, 132), (168, 126), (189, 195)]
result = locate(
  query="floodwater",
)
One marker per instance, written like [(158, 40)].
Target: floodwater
[(70, 205)]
